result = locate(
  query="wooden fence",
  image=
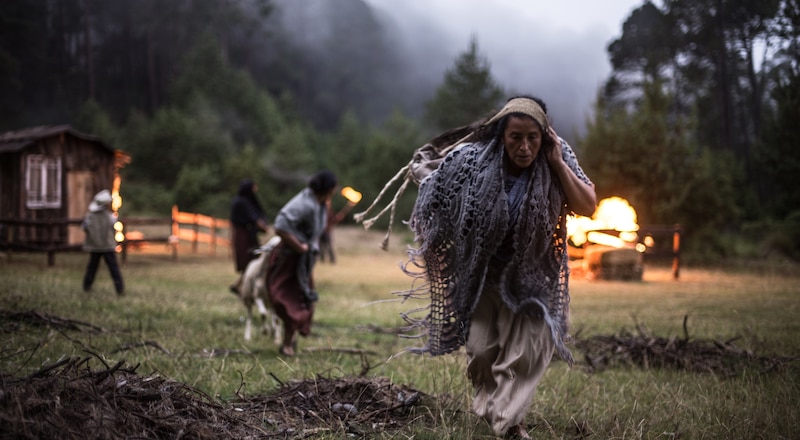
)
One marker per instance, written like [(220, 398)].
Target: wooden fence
[(183, 226), (180, 226), (51, 236)]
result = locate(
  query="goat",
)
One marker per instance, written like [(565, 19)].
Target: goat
[(253, 291)]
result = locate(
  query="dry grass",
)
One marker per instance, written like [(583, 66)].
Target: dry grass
[(178, 321)]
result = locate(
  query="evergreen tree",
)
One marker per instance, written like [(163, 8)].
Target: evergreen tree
[(469, 92), (389, 149), (94, 120), (648, 156), (778, 156)]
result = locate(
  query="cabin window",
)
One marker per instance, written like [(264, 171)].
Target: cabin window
[(43, 181)]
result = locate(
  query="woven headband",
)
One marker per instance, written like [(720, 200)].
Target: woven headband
[(525, 106)]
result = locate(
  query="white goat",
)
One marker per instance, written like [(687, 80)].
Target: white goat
[(253, 290)]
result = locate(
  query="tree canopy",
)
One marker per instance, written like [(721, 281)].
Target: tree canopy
[(468, 92), (707, 156), (696, 123)]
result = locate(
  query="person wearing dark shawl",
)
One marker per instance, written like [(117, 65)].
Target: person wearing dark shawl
[(247, 220), (490, 224), (290, 281)]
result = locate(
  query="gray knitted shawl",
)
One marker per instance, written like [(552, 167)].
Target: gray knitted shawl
[(304, 217), (460, 220)]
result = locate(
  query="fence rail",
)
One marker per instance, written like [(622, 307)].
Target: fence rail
[(49, 236), (184, 226), (180, 226)]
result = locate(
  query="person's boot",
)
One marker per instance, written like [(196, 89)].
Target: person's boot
[(518, 432), (289, 347)]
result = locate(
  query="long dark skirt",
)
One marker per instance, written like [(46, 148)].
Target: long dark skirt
[(285, 293), (243, 244)]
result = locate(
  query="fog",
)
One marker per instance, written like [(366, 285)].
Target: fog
[(554, 50)]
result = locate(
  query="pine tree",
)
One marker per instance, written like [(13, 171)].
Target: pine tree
[(468, 92)]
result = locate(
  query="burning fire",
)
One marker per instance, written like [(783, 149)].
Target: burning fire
[(116, 203), (612, 214), (351, 195), (116, 199)]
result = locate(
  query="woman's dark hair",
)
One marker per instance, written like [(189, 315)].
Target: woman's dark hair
[(246, 187), (322, 182), (247, 192)]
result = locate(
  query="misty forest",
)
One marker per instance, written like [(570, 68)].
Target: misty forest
[(697, 123)]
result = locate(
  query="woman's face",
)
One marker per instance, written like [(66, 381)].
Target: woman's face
[(523, 140)]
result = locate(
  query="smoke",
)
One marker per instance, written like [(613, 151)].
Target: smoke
[(554, 50)]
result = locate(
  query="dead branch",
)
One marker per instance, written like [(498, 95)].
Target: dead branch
[(339, 350), (35, 318), (133, 345)]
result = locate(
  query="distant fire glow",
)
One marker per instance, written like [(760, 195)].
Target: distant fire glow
[(119, 235), (116, 203), (612, 214), (116, 199)]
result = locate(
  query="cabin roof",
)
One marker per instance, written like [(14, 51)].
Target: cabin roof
[(13, 141)]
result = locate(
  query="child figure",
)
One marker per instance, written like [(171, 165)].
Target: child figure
[(100, 243)]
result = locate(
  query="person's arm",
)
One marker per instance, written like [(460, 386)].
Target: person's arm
[(339, 216), (262, 224), (292, 241), (581, 196)]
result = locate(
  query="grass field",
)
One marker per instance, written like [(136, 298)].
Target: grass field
[(176, 314)]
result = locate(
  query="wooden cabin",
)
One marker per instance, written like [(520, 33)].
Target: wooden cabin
[(48, 177)]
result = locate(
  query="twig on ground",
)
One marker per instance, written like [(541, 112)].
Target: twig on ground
[(133, 345)]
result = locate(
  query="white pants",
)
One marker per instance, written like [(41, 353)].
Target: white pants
[(507, 354)]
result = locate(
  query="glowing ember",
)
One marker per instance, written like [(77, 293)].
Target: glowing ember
[(119, 235), (351, 195), (605, 239)]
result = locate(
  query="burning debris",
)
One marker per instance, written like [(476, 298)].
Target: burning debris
[(607, 245)]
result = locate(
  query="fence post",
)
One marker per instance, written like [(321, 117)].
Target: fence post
[(51, 252), (676, 251), (174, 239), (212, 245)]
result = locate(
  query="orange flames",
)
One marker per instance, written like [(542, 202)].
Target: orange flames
[(116, 203), (613, 215), (351, 195)]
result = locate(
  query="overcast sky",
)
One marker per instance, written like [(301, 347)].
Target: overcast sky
[(554, 49)]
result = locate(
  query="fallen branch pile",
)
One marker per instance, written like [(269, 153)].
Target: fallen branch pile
[(645, 351), (69, 400), (357, 406)]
